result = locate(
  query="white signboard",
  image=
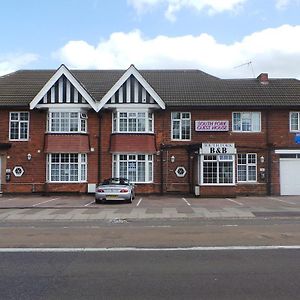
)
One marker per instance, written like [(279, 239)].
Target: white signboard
[(211, 148), (212, 125)]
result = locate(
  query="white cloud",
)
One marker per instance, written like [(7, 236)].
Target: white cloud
[(283, 4), (12, 62), (173, 6), (274, 50)]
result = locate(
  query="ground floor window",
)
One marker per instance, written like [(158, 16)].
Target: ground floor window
[(217, 169), (135, 167), (246, 167), (67, 167)]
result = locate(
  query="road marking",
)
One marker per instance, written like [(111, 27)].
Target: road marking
[(187, 202), (225, 248), (139, 202), (288, 202), (89, 203), (44, 202), (236, 202)]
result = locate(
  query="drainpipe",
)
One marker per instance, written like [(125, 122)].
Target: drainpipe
[(161, 172), (269, 160), (99, 149)]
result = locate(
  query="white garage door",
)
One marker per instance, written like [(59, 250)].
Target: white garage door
[(290, 176)]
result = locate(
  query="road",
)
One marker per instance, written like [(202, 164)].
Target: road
[(150, 233), (222, 274)]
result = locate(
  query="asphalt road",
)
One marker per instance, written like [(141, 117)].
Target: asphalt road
[(150, 233), (229, 274)]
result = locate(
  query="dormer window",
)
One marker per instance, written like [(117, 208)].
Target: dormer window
[(67, 122), (133, 122)]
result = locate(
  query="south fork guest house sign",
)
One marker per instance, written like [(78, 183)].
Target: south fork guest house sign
[(211, 125)]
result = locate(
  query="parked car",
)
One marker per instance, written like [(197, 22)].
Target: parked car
[(115, 189)]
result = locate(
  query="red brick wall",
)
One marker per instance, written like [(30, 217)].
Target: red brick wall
[(275, 135), (34, 177)]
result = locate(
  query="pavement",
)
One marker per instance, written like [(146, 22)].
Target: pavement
[(82, 207)]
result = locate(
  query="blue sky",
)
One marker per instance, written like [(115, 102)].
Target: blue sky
[(215, 36)]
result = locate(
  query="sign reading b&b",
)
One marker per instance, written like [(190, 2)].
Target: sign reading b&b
[(212, 148)]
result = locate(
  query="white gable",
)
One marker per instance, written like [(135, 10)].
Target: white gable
[(62, 87), (131, 88)]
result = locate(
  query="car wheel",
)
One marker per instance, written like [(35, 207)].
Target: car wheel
[(97, 201), (130, 199)]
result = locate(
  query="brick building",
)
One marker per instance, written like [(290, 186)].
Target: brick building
[(166, 130)]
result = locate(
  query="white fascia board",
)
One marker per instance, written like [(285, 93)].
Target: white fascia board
[(131, 106), (63, 70), (287, 151), (131, 71)]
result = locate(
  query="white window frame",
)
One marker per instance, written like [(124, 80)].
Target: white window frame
[(217, 160), (81, 121), (82, 168), (252, 120), (149, 162), (180, 120), (290, 121), (149, 115), (20, 122), (247, 164)]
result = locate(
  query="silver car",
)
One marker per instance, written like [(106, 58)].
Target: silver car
[(115, 189)]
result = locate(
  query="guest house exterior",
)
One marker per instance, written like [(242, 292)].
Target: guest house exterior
[(169, 131)]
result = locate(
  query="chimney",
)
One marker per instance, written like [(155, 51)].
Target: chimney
[(263, 78)]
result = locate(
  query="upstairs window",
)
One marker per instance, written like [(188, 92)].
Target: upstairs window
[(246, 121), (181, 126), (18, 126), (131, 122), (294, 121), (67, 122)]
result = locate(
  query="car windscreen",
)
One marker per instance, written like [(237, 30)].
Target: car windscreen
[(117, 181)]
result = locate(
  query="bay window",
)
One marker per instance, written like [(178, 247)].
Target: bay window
[(135, 167), (67, 122), (132, 122), (67, 167)]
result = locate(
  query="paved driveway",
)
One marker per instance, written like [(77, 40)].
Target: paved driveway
[(80, 207)]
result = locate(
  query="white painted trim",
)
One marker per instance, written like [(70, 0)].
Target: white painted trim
[(201, 183), (290, 121), (287, 151), (131, 71), (19, 133), (121, 249), (131, 106), (180, 139), (63, 70), (64, 106), (242, 131)]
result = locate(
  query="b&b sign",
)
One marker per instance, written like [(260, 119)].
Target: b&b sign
[(211, 148), (211, 125)]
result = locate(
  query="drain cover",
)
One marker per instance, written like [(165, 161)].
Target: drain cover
[(118, 221)]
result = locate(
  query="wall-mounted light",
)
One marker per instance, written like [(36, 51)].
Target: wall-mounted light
[(172, 158), (29, 156), (262, 159)]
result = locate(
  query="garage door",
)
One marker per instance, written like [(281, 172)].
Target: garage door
[(290, 176)]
